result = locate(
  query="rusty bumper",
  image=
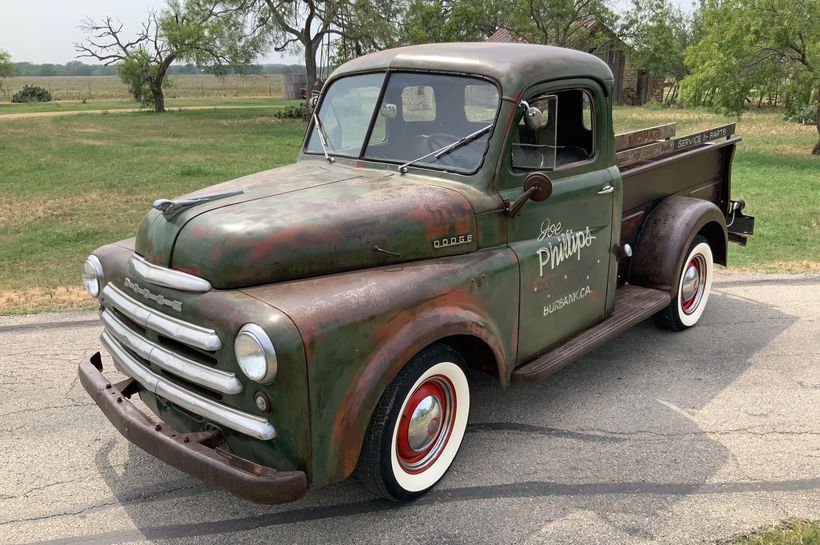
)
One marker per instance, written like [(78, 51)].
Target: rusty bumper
[(193, 453)]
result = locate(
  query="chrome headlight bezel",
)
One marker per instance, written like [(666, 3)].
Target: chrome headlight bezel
[(255, 354), (92, 275)]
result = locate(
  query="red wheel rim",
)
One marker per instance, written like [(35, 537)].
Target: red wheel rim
[(425, 424), (693, 283)]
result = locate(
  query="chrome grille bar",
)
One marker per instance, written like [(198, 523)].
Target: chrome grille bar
[(249, 424), (170, 278), (171, 327), (214, 379)]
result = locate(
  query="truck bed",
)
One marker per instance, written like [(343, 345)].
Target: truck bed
[(692, 166)]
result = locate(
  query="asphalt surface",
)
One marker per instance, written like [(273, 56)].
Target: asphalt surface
[(654, 438)]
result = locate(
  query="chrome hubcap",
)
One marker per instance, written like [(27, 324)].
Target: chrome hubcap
[(690, 282), (424, 423), (693, 283)]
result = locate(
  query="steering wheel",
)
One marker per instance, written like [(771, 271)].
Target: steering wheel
[(436, 141)]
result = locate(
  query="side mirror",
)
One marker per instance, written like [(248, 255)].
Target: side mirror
[(389, 111), (533, 117), (314, 99), (537, 187)]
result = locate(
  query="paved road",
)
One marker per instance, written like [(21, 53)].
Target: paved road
[(655, 438)]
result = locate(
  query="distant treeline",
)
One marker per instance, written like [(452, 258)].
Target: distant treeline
[(77, 68)]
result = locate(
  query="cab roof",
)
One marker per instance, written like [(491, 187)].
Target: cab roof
[(514, 66)]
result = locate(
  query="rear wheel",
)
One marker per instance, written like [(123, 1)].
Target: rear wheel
[(694, 285), (418, 426)]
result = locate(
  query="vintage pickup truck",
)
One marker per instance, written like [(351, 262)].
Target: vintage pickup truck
[(454, 207)]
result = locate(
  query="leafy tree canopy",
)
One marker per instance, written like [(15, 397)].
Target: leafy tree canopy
[(750, 45), (6, 66)]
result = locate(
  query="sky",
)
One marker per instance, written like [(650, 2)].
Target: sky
[(44, 32), (39, 33)]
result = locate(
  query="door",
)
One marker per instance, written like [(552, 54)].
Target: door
[(564, 243)]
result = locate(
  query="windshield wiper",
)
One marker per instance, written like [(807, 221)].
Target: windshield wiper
[(448, 148), (320, 130)]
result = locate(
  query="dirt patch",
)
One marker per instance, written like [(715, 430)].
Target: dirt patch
[(61, 298), (261, 120), (28, 115), (89, 142), (14, 210)]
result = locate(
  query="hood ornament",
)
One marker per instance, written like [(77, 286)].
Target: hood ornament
[(171, 208)]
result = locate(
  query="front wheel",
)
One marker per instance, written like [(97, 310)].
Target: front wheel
[(418, 426), (694, 285)]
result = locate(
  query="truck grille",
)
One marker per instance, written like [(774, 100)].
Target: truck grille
[(128, 323)]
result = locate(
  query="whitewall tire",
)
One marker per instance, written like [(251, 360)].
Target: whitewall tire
[(418, 426), (693, 288)]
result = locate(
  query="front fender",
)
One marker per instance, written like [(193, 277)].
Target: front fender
[(360, 328)]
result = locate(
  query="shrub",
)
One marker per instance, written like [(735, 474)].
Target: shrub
[(31, 93), (805, 115), (291, 112)]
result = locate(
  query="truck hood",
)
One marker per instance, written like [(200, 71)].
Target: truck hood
[(306, 220)]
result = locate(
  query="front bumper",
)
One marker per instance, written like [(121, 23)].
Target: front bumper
[(193, 453)]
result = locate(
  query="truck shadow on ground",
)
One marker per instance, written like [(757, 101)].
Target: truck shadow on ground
[(616, 432)]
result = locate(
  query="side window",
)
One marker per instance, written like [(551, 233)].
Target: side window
[(587, 111), (418, 103), (567, 135), (480, 103)]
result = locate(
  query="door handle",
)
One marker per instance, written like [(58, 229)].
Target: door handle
[(608, 188)]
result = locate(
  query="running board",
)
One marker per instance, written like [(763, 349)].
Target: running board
[(632, 305)]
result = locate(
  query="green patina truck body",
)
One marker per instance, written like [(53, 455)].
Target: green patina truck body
[(454, 207)]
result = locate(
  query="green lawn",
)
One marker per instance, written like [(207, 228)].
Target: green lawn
[(793, 532), (77, 106), (72, 183)]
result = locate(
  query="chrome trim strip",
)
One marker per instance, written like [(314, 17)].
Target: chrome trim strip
[(249, 424), (214, 379), (194, 335), (169, 278)]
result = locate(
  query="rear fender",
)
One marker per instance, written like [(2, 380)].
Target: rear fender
[(666, 236)]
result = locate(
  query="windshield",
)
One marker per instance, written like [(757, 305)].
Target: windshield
[(418, 115)]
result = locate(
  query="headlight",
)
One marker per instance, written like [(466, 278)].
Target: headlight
[(92, 275), (255, 354)]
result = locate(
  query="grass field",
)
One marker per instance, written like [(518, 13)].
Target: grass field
[(72, 183), (793, 532), (77, 88), (108, 105)]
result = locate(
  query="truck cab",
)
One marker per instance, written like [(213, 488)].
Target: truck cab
[(454, 207)]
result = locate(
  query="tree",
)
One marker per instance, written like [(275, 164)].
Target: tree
[(188, 31), (431, 21), (658, 34), (565, 23), (6, 66), (751, 45), (351, 27)]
